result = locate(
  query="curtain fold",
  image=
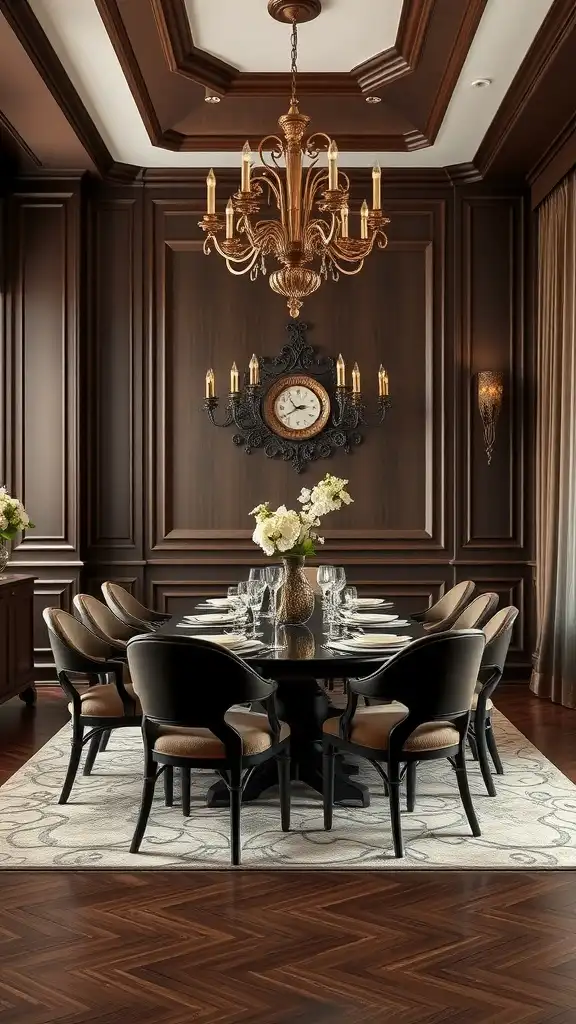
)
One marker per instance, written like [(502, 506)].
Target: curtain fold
[(554, 674)]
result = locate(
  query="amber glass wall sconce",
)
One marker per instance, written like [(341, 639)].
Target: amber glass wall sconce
[(490, 391)]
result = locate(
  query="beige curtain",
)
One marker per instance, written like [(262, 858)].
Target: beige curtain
[(554, 674)]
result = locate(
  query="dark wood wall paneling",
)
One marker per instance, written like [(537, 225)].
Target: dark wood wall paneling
[(165, 496)]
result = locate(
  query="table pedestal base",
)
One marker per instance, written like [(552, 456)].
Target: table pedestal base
[(304, 705)]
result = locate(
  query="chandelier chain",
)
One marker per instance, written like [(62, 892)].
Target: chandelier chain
[(294, 65)]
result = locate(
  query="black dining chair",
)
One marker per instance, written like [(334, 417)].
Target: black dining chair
[(443, 614), (129, 610), (498, 633), (434, 679), (109, 701), (190, 690), (98, 617)]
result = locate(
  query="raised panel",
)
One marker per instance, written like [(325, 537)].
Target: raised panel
[(49, 593), (42, 352), (493, 496), (114, 393), (203, 486)]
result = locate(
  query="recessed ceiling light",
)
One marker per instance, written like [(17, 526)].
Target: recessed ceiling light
[(373, 99), (211, 97), (481, 83)]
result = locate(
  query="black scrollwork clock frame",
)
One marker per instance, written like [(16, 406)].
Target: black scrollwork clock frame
[(348, 415)]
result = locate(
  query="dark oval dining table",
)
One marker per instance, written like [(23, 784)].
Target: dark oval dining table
[(299, 669)]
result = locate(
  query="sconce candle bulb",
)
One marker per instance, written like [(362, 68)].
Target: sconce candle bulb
[(210, 384), (254, 367), (344, 213), (211, 193), (356, 379), (246, 157), (376, 187), (364, 220), (340, 372), (332, 166), (234, 380), (229, 219)]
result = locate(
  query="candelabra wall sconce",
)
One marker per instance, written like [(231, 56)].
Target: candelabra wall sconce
[(490, 392), (297, 405)]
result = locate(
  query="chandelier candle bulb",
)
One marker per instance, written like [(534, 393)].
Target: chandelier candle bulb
[(364, 220), (234, 380), (376, 187), (210, 384), (381, 381), (254, 367), (332, 166), (211, 192), (229, 219), (344, 213), (356, 379), (340, 372), (246, 157)]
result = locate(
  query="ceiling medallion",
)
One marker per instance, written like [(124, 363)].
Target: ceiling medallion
[(296, 238)]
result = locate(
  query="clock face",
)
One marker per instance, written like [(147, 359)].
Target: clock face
[(297, 407)]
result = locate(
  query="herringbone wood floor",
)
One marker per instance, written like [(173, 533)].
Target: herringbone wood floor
[(287, 948)]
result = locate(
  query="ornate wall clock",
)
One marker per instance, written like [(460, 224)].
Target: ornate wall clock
[(283, 408), (296, 407)]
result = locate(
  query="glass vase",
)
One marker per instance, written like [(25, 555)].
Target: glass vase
[(4, 556)]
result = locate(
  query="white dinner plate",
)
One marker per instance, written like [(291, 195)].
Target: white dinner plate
[(373, 602), (233, 642), (210, 617), (218, 602), (364, 617), (378, 640), (348, 647)]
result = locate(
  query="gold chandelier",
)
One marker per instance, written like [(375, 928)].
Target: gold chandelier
[(298, 238)]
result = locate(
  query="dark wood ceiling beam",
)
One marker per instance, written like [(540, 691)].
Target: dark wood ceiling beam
[(558, 27), (32, 37)]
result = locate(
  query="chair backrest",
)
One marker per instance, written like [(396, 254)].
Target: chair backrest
[(448, 608), (477, 612), (311, 575), (498, 633), (434, 677), (98, 617), (74, 646), (126, 607), (182, 681)]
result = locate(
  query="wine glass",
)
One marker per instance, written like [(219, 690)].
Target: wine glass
[(255, 590), (337, 586), (325, 576), (274, 576), (257, 574), (350, 596)]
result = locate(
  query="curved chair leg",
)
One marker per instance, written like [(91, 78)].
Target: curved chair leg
[(185, 783), (328, 759), (145, 806), (480, 736), (168, 785), (75, 755), (462, 777), (394, 799), (491, 741), (473, 745), (411, 785), (93, 748), (104, 740), (284, 787), (235, 811)]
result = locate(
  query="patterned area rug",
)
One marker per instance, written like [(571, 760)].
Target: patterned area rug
[(531, 823)]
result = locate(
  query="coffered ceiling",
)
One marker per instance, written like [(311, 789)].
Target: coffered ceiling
[(141, 68), (122, 83)]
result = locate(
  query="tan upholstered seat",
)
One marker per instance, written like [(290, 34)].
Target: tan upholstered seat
[(371, 727), (104, 702), (254, 730)]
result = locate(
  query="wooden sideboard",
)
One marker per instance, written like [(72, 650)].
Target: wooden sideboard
[(16, 638)]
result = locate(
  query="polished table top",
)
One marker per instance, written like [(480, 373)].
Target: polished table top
[(304, 653)]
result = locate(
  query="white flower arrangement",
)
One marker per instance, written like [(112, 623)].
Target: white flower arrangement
[(13, 516), (294, 534)]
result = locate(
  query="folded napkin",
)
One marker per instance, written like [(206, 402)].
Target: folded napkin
[(236, 642), (218, 602)]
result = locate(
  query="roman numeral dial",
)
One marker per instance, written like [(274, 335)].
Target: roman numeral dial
[(297, 407)]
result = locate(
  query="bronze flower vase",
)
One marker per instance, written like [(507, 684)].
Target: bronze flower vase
[(296, 595)]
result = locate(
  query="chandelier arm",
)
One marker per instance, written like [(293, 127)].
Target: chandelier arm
[(342, 270), (241, 258), (244, 270), (313, 186), (319, 225), (357, 249), (311, 150), (277, 150), (274, 182), (269, 236)]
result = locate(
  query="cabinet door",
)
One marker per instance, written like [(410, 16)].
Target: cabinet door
[(4, 644), (21, 642)]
